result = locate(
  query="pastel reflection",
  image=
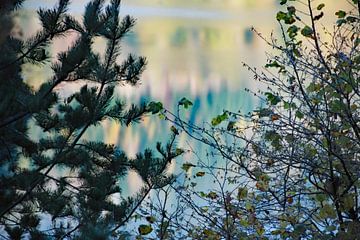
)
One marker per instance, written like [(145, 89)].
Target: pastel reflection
[(194, 49)]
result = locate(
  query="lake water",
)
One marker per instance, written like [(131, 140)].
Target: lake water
[(195, 49)]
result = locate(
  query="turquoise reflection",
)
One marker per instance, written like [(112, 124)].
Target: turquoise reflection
[(194, 51)]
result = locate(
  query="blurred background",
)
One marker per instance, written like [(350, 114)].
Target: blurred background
[(195, 49)]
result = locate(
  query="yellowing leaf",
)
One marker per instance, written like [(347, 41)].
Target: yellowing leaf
[(150, 219), (275, 117), (179, 151), (212, 195), (327, 211), (187, 166), (145, 229), (242, 193), (200, 174)]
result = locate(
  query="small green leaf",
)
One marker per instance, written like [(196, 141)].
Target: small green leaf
[(230, 125), (187, 166), (179, 151), (242, 193), (299, 114), (212, 195), (291, 10), (292, 31), (276, 232), (348, 202), (275, 64), (155, 107), (280, 15), (145, 229), (150, 219), (320, 197), (307, 31), (264, 112), (351, 19), (320, 6), (340, 22), (317, 17), (282, 2), (218, 119), (273, 99), (174, 130), (357, 41), (260, 230), (340, 14), (249, 206), (286, 17), (327, 211), (185, 102)]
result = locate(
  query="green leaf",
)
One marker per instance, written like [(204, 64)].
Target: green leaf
[(317, 17), (212, 195), (155, 107), (273, 137), (218, 119), (187, 166), (249, 206), (357, 42), (174, 130), (264, 112), (340, 14), (150, 219), (260, 230), (320, 6), (275, 64), (340, 22), (276, 232), (210, 234), (288, 17), (230, 125), (327, 211), (185, 102), (291, 10), (348, 202), (273, 99), (299, 114), (307, 31), (292, 31), (145, 229), (281, 15), (179, 151), (242, 193), (320, 197), (337, 106), (351, 19), (282, 2)]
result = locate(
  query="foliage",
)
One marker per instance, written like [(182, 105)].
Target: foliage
[(289, 169), (60, 185)]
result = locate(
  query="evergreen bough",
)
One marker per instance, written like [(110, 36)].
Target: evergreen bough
[(67, 189)]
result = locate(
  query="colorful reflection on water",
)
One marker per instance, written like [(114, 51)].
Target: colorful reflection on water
[(195, 49)]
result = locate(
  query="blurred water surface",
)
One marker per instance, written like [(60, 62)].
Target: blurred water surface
[(195, 49)]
